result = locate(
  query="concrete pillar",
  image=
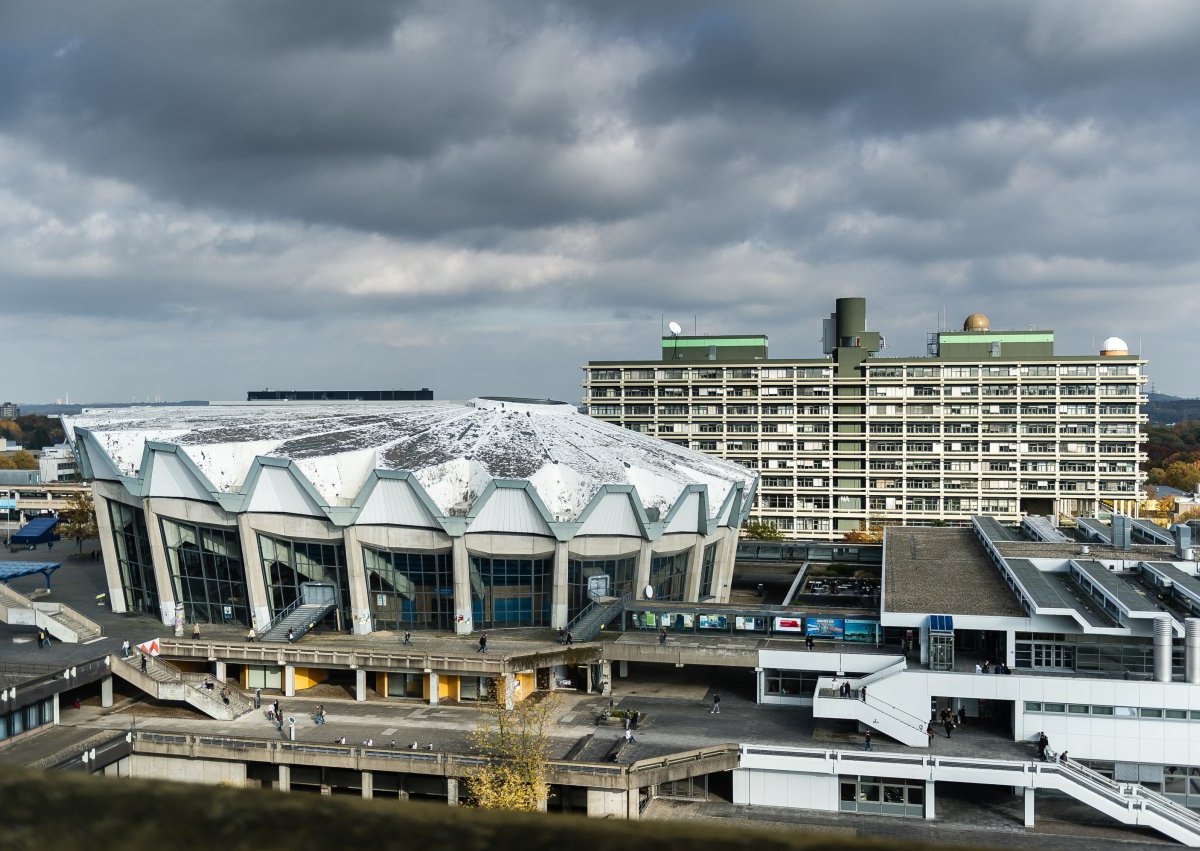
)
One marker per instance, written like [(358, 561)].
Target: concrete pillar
[(368, 785), (57, 709), (220, 671), (162, 569), (356, 575), (643, 571), (256, 586), (285, 778), (1191, 647), (633, 804), (462, 586), (289, 681), (606, 678), (452, 791), (930, 809), (434, 682), (1163, 636), (1029, 797), (691, 582), (623, 668), (559, 613), (723, 569), (1010, 648), (108, 549), (360, 685), (509, 684), (106, 692), (588, 669)]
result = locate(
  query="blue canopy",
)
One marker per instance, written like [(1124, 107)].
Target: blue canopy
[(39, 530)]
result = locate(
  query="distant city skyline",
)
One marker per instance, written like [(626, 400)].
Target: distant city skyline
[(201, 199)]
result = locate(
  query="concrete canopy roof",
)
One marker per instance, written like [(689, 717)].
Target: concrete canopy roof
[(455, 450)]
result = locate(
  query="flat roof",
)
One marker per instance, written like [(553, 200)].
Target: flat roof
[(1100, 530), (943, 571), (1072, 549), (1152, 530), (1055, 591), (1116, 588), (996, 531)]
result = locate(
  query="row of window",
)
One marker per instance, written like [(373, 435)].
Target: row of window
[(1112, 711), (872, 372), (29, 717)]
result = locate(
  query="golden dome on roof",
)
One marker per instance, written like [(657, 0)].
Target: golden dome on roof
[(977, 322)]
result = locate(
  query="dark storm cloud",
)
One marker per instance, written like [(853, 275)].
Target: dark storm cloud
[(463, 188)]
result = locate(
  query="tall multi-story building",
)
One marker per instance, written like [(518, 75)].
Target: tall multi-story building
[(988, 422), (9, 411)]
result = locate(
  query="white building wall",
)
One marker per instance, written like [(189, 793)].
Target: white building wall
[(762, 788)]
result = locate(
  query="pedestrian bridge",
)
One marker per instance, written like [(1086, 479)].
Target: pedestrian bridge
[(808, 778)]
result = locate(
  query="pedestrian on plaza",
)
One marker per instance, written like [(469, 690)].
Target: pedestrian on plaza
[(570, 638), (846, 689), (195, 632), (867, 741), (250, 635), (144, 663), (225, 693), (637, 716), (319, 717), (258, 698), (716, 707), (978, 668), (483, 642), (1043, 743), (808, 642), (662, 637), (291, 636), (41, 639), (862, 693), (275, 713), (408, 638), (279, 721), (1062, 757), (949, 725), (125, 649), (629, 736), (929, 732)]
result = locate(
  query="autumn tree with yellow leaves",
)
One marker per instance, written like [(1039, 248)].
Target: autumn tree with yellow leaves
[(516, 744)]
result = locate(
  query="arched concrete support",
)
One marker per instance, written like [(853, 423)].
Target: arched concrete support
[(356, 576), (643, 571), (108, 549), (256, 586), (162, 570), (691, 585)]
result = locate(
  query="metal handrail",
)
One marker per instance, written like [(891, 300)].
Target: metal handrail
[(278, 619), (596, 606)]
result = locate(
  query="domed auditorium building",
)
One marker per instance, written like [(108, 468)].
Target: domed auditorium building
[(456, 516)]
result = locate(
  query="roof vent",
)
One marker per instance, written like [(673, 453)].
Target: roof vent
[(1085, 550)]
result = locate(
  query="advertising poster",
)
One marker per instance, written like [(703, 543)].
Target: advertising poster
[(860, 631), (789, 624), (714, 622), (826, 627)]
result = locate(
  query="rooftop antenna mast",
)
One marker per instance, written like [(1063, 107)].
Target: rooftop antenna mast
[(675, 330)]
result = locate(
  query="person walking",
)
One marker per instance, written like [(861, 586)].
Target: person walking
[(319, 715), (808, 642), (949, 725), (662, 637), (291, 636), (862, 693), (258, 698), (867, 741), (1062, 757), (195, 632), (275, 713), (408, 638), (570, 638), (1043, 743), (41, 639), (629, 736), (125, 649), (929, 732), (145, 662), (483, 642), (250, 635), (716, 707)]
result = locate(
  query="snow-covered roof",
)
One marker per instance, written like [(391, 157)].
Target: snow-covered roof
[(453, 449)]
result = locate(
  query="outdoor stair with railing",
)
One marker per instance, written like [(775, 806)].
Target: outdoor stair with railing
[(299, 618), (163, 681), (60, 622), (587, 624), (882, 709)]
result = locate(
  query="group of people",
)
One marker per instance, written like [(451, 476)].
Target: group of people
[(988, 668), (565, 638)]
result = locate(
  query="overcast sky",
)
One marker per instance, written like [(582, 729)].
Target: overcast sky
[(200, 198)]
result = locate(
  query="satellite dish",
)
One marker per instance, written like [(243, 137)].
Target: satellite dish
[(674, 328), (649, 592)]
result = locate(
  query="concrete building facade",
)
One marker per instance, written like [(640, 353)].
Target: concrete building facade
[(988, 422)]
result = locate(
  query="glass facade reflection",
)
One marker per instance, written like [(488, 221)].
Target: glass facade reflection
[(132, 541), (409, 590), (668, 575), (510, 591), (207, 572), (287, 564), (706, 572), (614, 575)]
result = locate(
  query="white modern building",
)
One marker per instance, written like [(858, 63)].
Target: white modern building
[(989, 422), (453, 516)]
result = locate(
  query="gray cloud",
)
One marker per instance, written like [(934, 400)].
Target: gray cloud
[(481, 197)]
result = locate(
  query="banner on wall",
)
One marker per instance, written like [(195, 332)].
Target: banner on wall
[(714, 622), (825, 627), (860, 631), (789, 624)]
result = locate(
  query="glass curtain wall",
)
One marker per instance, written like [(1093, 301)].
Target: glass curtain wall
[(207, 572), (511, 591), (615, 575), (132, 541), (287, 564), (410, 590), (668, 575), (706, 572)]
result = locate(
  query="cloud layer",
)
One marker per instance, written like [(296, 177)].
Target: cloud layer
[(198, 199)]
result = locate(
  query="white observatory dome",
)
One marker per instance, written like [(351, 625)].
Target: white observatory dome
[(1114, 346)]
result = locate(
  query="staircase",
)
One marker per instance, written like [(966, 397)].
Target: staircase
[(60, 622), (887, 708), (298, 618), (163, 681), (588, 623)]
